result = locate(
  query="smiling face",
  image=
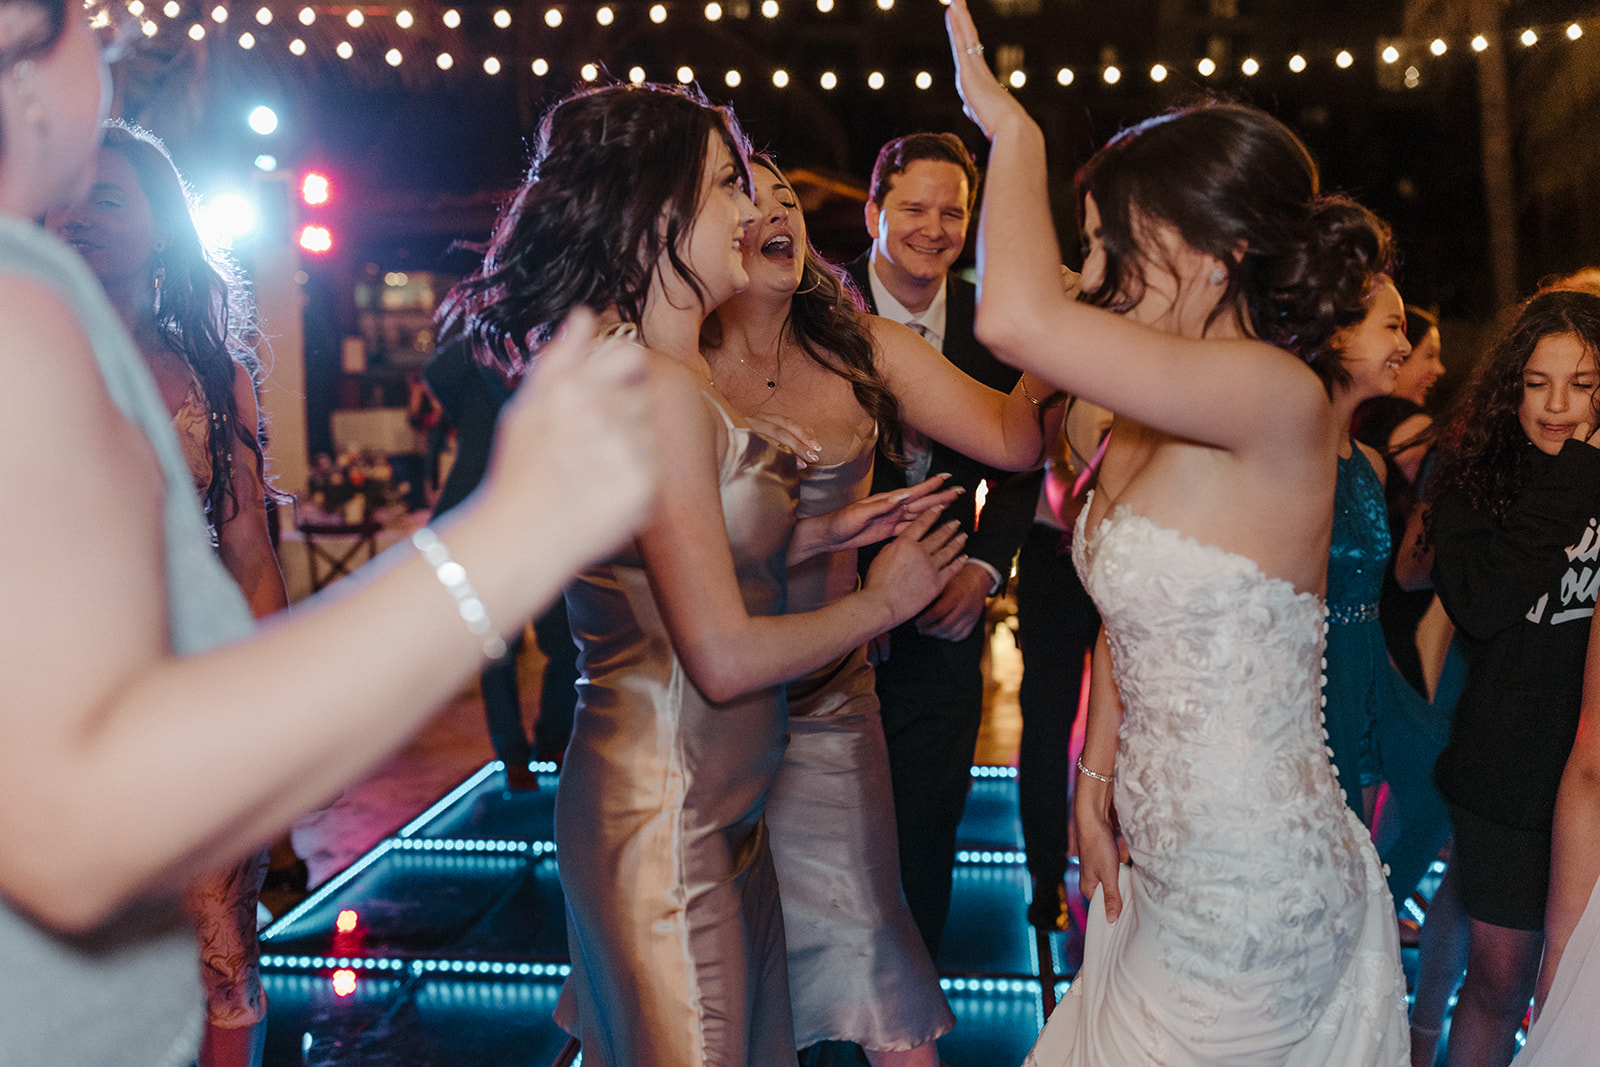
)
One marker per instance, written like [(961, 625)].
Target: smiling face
[(713, 247), (1373, 350), (1421, 369), (921, 226), (775, 246), (112, 228), (1558, 387)]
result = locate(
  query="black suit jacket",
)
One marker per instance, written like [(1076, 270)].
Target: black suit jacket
[(1008, 511)]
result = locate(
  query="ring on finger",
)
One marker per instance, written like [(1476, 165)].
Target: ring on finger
[(974, 49)]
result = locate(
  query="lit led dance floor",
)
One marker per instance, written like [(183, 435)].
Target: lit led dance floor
[(445, 946)]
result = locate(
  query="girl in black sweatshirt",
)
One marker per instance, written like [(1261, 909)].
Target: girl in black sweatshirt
[(1516, 532)]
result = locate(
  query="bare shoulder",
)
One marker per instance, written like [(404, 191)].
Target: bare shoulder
[(1374, 460)]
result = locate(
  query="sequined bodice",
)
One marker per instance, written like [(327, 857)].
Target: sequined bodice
[(1360, 548)]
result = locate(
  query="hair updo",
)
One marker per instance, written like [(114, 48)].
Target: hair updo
[(613, 190), (1238, 185)]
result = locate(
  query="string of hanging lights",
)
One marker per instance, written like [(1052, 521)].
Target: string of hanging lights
[(269, 26)]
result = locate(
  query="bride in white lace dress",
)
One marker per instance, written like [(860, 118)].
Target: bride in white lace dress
[(1254, 926)]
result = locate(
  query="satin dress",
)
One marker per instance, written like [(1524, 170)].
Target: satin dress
[(858, 968), (1256, 929), (673, 920)]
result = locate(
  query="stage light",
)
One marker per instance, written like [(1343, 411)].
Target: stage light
[(316, 239), (344, 982), (780, 78), (829, 80), (405, 20), (685, 75), (297, 46), (1343, 60), (604, 16), (502, 18), (1438, 47), (1479, 43), (307, 16), (1111, 75), (197, 32), (1297, 63), (636, 75), (769, 9), (1529, 38), (875, 80), (345, 50), (171, 9), (658, 14), (263, 120), (247, 40), (1250, 68), (732, 78), (393, 57), (1158, 73), (355, 18), (452, 19), (315, 189), (1018, 79), (924, 80), (347, 919), (445, 61), (1206, 67), (219, 14), (713, 11), (266, 163), (226, 218), (552, 18), (491, 65), (136, 8), (1064, 76), (1390, 54), (540, 67), (1574, 31), (589, 72)]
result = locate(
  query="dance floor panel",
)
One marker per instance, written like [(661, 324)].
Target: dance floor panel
[(446, 944)]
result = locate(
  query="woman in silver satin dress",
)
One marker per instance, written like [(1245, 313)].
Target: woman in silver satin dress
[(794, 355), (636, 206)]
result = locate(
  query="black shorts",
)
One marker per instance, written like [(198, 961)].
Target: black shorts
[(1504, 872)]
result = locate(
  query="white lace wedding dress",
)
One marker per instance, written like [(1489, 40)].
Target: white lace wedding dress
[(1256, 926)]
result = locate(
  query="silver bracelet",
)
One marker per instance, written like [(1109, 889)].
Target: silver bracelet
[(453, 576), (1106, 778)]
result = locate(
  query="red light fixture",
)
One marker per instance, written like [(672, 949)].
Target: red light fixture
[(316, 239), (315, 189)]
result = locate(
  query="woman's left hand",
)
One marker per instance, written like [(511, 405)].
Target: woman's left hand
[(983, 98)]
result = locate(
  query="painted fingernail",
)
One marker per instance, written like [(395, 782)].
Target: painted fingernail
[(900, 498)]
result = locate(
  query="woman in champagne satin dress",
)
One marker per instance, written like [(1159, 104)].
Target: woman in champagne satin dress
[(794, 354), (672, 907)]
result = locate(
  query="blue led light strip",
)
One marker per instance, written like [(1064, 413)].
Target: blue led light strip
[(328, 889), (506, 968), (991, 857), (444, 802), (988, 770)]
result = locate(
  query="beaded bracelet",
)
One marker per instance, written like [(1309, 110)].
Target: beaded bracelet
[(1106, 778), (453, 576)]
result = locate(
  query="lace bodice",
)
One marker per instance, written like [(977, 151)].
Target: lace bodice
[(1360, 549), (1225, 794)]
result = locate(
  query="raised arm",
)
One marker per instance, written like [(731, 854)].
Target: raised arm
[(110, 778), (1003, 430), (1575, 859), (726, 650), (1236, 394), (243, 541)]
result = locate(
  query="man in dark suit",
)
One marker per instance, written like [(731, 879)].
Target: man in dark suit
[(924, 187)]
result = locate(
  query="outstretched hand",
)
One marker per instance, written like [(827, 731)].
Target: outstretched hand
[(913, 568), (983, 98), (883, 515)]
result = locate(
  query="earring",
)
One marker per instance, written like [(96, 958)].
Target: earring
[(158, 278), (813, 287), (1218, 275)]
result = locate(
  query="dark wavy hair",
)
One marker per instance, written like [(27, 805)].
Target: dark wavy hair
[(586, 227), (1237, 184), (825, 320), (206, 315), (1418, 322), (1482, 446)]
